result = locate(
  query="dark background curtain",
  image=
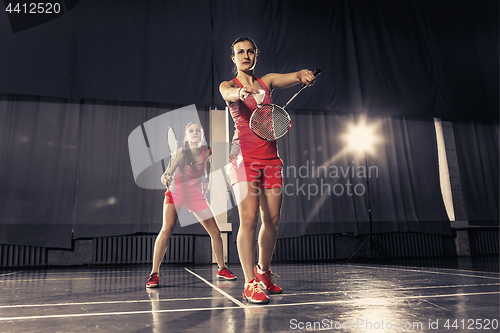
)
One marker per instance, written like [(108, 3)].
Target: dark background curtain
[(66, 171), (73, 88), (477, 152), (406, 58), (38, 170)]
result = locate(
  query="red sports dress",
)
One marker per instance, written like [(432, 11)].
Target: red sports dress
[(261, 162), (186, 187)]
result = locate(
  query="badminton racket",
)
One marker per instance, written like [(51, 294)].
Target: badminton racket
[(270, 121), (172, 143), (172, 147)]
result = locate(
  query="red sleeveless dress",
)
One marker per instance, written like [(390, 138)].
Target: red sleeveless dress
[(259, 160), (186, 189)]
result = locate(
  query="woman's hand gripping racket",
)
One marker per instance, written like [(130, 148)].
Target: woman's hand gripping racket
[(172, 146), (270, 121)]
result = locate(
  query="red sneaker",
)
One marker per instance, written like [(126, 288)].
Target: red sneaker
[(253, 294), (266, 281), (225, 273), (152, 281)]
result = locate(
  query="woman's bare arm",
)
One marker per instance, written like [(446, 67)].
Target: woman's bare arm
[(279, 81)]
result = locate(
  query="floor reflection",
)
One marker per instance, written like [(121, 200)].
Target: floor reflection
[(348, 297), (154, 296)]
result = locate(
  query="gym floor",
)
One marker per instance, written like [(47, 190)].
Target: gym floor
[(453, 295)]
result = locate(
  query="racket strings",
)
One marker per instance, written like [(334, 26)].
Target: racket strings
[(281, 121), (172, 143), (270, 122)]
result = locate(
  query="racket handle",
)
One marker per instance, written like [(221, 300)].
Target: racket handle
[(315, 73)]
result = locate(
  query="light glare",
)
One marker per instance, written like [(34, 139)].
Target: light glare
[(360, 138)]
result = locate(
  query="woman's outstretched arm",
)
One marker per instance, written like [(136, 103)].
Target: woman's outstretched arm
[(279, 81)]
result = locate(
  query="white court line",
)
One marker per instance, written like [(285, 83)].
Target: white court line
[(422, 271), (451, 295), (391, 289), (456, 269), (116, 313), (233, 307), (281, 268), (107, 302), (208, 298), (426, 301), (93, 274), (365, 300), (69, 278), (74, 278), (57, 271), (218, 289), (448, 286)]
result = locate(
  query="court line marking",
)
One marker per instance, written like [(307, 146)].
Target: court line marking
[(378, 298), (232, 307), (277, 265), (53, 271), (391, 289), (117, 313), (451, 295), (206, 298), (282, 265), (218, 289), (222, 297), (426, 301), (145, 272), (108, 302), (454, 269), (422, 271), (82, 278), (100, 272)]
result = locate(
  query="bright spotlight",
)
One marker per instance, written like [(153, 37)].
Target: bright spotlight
[(361, 137)]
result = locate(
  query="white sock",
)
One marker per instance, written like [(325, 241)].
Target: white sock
[(259, 270)]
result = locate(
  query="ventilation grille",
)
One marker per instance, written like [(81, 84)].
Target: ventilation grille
[(400, 245), (138, 249), (322, 247), (305, 248), (484, 241), (18, 255)]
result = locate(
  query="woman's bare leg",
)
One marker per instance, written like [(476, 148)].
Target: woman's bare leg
[(169, 219), (270, 210), (207, 220), (247, 196)]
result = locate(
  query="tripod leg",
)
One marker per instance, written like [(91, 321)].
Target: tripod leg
[(358, 249), (379, 247)]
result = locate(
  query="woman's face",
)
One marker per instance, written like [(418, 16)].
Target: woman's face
[(244, 57), (193, 133)]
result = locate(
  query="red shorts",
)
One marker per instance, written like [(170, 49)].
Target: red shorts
[(195, 203), (268, 173)]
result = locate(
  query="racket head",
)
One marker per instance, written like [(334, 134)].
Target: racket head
[(270, 122), (172, 142)]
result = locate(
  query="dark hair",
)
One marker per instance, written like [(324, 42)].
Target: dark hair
[(242, 39), (188, 155)]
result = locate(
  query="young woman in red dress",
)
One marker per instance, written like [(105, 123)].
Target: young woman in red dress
[(256, 173), (184, 189)]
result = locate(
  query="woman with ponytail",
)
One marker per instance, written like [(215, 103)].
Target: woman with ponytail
[(185, 189)]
